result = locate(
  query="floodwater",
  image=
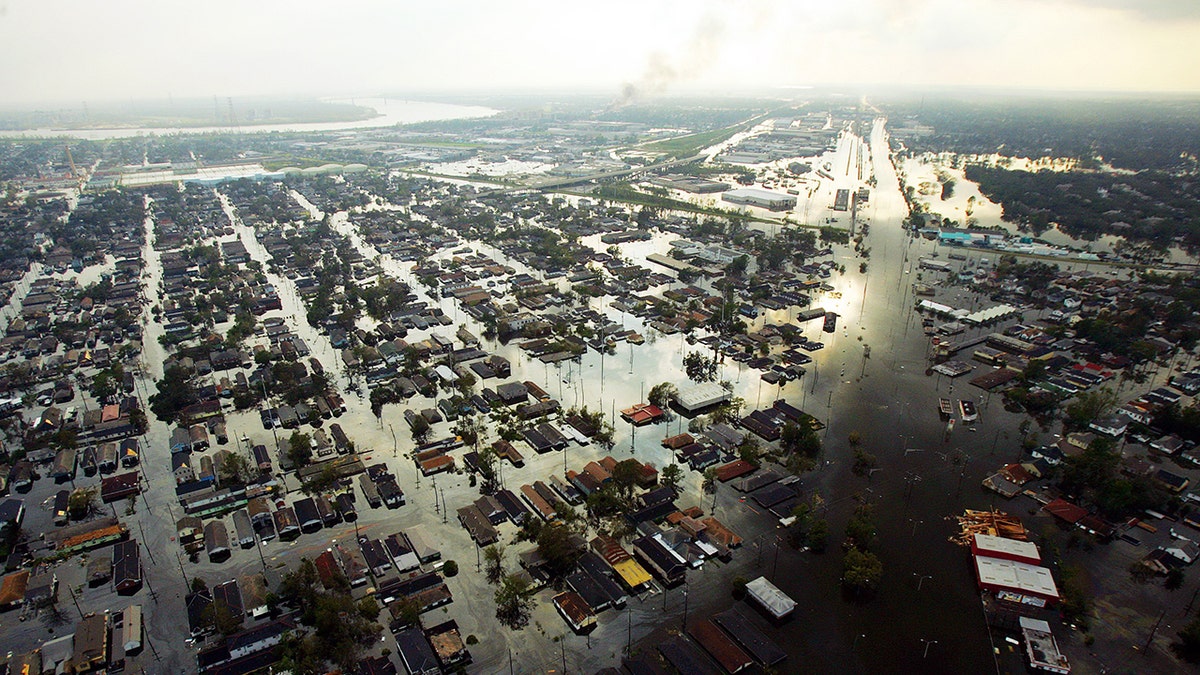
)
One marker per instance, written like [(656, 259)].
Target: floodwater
[(892, 404), (928, 591), (928, 594), (389, 112), (990, 214)]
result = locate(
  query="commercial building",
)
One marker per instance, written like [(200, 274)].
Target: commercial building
[(1041, 649), (1006, 549), (1018, 582), (760, 198), (775, 601), (696, 397)]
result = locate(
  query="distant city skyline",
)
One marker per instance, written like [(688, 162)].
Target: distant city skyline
[(76, 50)]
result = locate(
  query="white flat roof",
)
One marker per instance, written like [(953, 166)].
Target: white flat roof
[(700, 395), (1018, 576), (757, 193), (1024, 549), (991, 313), (776, 601)]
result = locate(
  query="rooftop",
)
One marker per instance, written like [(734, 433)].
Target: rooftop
[(1017, 576)]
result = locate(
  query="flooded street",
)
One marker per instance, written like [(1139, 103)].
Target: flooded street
[(928, 589), (923, 476), (890, 402)]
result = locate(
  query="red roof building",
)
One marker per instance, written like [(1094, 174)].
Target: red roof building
[(1065, 511), (642, 413)]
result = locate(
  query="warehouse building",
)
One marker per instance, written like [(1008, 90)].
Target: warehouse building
[(697, 397), (761, 198)]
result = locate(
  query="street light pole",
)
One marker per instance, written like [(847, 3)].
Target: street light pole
[(921, 580), (928, 643)]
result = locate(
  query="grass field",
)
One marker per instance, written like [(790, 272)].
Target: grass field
[(686, 146)]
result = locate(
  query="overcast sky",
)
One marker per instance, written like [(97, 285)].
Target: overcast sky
[(73, 50)]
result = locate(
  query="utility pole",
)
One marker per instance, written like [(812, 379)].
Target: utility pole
[(628, 630), (774, 561), (75, 600), (181, 571), (686, 586), (1146, 647), (143, 542)]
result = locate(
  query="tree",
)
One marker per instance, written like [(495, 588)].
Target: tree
[(420, 429), (493, 562), (1174, 579), (470, 428), (105, 384), (864, 462), (661, 394), (670, 477), (465, 383), (737, 267), (800, 439), (700, 368), (369, 608), (300, 449), (818, 535), (1188, 646), (175, 392), (1076, 604), (320, 482), (860, 530), (406, 612), (450, 569), (1034, 370), (709, 483), (235, 469), (1089, 406), (554, 544), (513, 601), (82, 502), (861, 572), (625, 475), (728, 411), (341, 627)]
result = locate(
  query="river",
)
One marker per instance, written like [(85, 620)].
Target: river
[(389, 112)]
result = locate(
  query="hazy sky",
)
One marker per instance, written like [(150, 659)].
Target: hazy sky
[(73, 50)]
